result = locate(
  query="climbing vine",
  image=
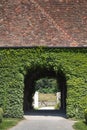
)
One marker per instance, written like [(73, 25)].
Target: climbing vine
[(15, 62)]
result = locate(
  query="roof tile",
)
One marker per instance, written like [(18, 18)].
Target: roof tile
[(43, 23)]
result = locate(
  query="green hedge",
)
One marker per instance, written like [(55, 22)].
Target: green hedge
[(1, 114), (85, 114), (14, 64)]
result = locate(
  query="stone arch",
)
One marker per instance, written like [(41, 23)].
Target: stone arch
[(38, 73)]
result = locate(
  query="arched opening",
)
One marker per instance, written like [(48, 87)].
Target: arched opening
[(35, 74), (47, 94)]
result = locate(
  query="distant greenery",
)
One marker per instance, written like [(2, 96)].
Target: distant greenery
[(57, 106), (81, 125), (47, 97), (46, 85), (8, 123)]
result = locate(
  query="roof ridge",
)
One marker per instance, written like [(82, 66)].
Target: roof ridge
[(63, 32)]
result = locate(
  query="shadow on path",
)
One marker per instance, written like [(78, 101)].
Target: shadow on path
[(55, 113)]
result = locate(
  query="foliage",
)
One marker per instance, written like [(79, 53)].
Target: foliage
[(15, 63), (8, 123), (85, 113), (46, 85), (1, 114), (80, 125), (57, 106)]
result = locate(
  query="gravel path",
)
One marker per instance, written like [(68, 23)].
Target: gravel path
[(45, 121)]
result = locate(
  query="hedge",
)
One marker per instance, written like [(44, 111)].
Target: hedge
[(16, 62), (1, 114), (85, 114)]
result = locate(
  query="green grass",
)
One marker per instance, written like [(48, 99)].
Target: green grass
[(47, 97), (81, 125), (8, 123)]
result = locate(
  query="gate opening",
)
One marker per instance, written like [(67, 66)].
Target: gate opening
[(34, 75), (47, 94)]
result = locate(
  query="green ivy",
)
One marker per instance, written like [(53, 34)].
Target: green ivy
[(14, 64)]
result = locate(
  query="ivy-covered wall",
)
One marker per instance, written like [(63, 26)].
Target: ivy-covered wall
[(14, 64)]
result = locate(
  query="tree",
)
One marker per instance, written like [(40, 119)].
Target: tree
[(46, 85)]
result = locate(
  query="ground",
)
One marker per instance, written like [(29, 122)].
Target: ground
[(44, 120)]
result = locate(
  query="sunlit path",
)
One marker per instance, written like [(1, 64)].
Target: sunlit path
[(44, 120)]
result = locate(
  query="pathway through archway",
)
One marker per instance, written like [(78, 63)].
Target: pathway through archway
[(33, 75)]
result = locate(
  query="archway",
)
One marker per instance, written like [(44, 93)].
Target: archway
[(37, 73), (47, 94)]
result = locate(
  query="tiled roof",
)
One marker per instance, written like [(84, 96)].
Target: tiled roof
[(43, 23)]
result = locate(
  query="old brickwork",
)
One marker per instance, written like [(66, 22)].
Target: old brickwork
[(43, 23)]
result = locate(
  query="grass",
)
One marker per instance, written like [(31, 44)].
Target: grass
[(81, 125), (47, 97), (8, 123)]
